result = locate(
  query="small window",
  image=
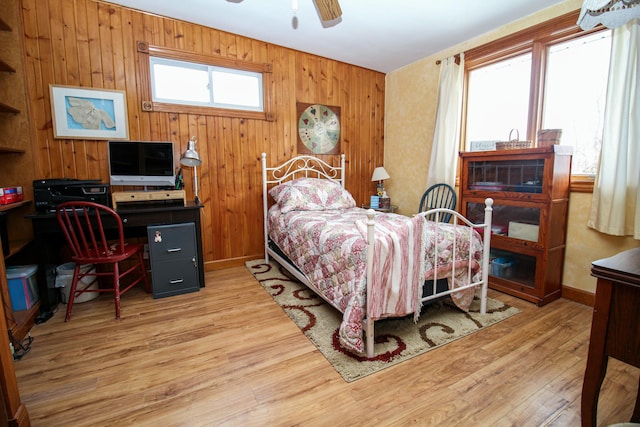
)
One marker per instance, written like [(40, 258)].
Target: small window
[(178, 81), (189, 83)]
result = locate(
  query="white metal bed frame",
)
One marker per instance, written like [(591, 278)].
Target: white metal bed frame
[(313, 167)]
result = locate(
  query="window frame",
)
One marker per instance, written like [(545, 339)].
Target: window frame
[(534, 40), (145, 51)]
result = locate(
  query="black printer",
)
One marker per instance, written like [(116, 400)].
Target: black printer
[(48, 193)]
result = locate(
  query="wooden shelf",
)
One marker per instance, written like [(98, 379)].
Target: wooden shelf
[(9, 150), (4, 26), (123, 197), (16, 246), (4, 108), (23, 321), (16, 205), (6, 67)]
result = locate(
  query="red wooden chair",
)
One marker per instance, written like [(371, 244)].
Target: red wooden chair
[(83, 225)]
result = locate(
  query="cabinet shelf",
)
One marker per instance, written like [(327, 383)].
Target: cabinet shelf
[(22, 321), (9, 150), (4, 26), (16, 205), (4, 108), (15, 247), (6, 67)]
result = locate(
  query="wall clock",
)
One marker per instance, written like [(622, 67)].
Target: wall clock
[(318, 129)]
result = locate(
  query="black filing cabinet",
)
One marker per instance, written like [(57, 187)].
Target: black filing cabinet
[(173, 254)]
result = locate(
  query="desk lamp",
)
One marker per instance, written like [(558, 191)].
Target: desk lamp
[(191, 158)]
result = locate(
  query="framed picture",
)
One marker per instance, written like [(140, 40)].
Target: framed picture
[(82, 113)]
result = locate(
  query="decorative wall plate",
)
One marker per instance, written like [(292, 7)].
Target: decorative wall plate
[(318, 129)]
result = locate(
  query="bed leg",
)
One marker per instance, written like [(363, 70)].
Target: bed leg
[(370, 338), (488, 214)]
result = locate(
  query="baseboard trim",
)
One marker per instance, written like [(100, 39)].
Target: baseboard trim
[(578, 295), (229, 263)]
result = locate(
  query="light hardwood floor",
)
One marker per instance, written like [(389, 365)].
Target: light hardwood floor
[(228, 355)]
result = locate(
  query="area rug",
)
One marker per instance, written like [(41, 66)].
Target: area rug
[(397, 340)]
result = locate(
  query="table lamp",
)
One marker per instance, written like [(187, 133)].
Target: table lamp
[(191, 158), (380, 174)]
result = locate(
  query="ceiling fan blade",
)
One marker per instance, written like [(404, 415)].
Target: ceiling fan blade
[(329, 9)]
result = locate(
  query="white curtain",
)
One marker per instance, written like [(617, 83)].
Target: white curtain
[(616, 193), (444, 151)]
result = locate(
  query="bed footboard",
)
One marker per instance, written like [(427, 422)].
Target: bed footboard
[(463, 274)]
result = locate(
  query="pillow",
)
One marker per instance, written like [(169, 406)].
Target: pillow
[(311, 194)]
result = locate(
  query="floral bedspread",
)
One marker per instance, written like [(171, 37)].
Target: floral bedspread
[(455, 265), (330, 248)]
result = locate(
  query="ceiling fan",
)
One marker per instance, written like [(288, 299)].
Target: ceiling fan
[(328, 9)]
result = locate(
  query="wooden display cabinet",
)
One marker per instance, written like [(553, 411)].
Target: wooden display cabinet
[(15, 158), (530, 189)]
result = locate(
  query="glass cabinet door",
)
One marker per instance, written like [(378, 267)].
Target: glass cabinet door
[(513, 266), (516, 222), (521, 176), (510, 222)]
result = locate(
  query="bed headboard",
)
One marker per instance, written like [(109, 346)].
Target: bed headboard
[(302, 167), (296, 167)]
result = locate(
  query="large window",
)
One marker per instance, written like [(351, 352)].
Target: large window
[(550, 76), (183, 82), (575, 94), (498, 99)]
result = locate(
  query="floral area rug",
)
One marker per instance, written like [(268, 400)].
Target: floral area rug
[(397, 339)]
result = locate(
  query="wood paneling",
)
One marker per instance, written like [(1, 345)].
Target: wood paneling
[(91, 43)]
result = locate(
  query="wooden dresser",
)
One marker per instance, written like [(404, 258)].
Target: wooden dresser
[(615, 329)]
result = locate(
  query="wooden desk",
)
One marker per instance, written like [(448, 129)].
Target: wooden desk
[(48, 238), (615, 329)]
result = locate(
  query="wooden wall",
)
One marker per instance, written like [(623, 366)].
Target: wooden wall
[(91, 43)]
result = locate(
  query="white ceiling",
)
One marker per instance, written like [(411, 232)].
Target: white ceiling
[(381, 35)]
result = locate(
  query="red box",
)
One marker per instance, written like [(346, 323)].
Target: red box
[(10, 195)]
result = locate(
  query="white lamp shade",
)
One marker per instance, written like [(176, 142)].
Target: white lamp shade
[(380, 174)]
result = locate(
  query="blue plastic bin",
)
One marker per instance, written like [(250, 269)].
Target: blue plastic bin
[(502, 267), (23, 288)]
